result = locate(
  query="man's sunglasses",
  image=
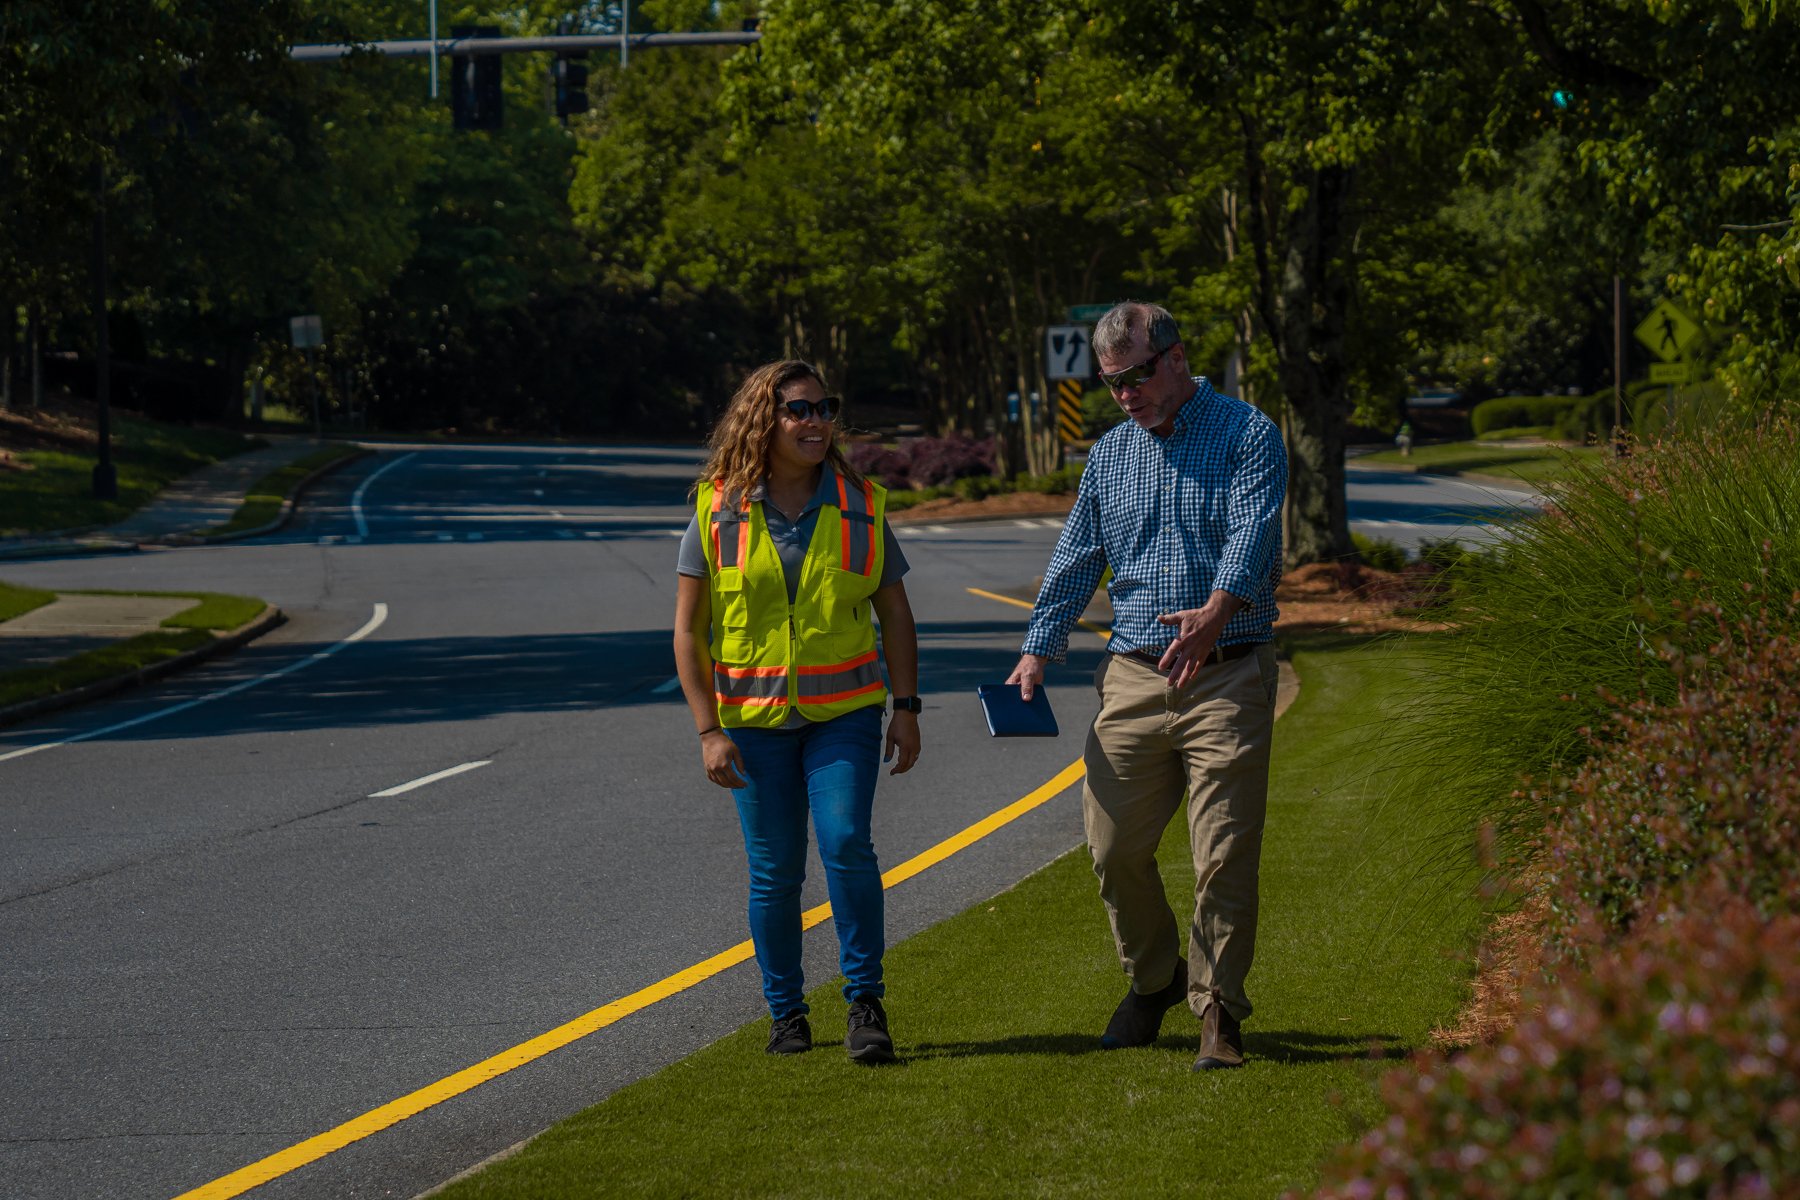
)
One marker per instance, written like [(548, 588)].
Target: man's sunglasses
[(826, 406), (1136, 376)]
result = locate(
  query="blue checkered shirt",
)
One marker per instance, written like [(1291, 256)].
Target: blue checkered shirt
[(1175, 518)]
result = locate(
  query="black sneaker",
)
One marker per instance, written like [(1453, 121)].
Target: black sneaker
[(790, 1035), (867, 1032)]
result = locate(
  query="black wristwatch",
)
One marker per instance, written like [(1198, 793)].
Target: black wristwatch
[(911, 704)]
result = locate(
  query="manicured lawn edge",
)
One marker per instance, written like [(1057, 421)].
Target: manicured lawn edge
[(16, 601), (1480, 460), (1368, 917), (187, 640), (269, 500)]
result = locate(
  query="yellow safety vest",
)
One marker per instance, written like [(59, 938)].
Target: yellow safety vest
[(818, 653)]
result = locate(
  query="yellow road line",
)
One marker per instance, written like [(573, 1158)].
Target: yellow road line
[(414, 1103), (1087, 625)]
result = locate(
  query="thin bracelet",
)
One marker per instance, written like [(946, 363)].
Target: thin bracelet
[(710, 729)]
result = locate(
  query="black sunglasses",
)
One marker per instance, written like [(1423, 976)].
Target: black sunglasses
[(826, 406), (1115, 380)]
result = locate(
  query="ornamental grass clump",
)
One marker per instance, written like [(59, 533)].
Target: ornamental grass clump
[(1572, 611)]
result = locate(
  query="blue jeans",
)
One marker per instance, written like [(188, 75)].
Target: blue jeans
[(828, 769)]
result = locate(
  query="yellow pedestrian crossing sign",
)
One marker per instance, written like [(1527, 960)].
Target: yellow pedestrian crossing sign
[(1668, 332)]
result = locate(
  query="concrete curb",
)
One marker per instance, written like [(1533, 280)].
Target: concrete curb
[(24, 710), (281, 519)]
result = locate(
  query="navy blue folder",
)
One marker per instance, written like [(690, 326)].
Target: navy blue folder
[(1009, 716)]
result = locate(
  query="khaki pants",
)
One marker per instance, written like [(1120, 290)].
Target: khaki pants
[(1149, 744)]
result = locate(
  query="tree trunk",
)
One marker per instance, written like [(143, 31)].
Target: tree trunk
[(1309, 337)]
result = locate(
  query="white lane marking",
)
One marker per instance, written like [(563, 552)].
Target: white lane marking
[(558, 516), (1049, 524), (1026, 524), (474, 537), (356, 498), (675, 532), (446, 537), (370, 626), (432, 778), (667, 685), (939, 528), (592, 533)]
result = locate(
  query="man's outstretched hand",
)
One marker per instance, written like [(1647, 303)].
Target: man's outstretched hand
[(1028, 675)]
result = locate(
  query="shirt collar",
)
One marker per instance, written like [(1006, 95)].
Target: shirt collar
[(825, 493)]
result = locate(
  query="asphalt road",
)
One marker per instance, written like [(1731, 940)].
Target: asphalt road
[(1410, 510), (220, 942)]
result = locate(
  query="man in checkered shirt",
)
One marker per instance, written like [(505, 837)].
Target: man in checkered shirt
[(1183, 502)]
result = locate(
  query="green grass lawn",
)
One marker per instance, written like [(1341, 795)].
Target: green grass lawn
[(263, 504), (1528, 463), (186, 630), (57, 493), (1002, 1089), (16, 601)]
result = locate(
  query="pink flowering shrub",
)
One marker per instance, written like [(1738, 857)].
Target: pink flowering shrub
[(1705, 786), (1663, 1057), (1671, 1068)]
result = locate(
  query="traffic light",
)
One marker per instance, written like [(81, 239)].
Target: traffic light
[(569, 78), (475, 82)]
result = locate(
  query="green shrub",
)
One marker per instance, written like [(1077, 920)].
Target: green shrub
[(977, 487), (1099, 411), (1505, 412), (1379, 553), (1590, 417), (1672, 1069), (1057, 483)]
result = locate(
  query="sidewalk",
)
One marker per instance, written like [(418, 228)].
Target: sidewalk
[(77, 624), (182, 511)]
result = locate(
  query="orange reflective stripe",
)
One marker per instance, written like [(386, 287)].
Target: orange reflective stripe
[(747, 672), (869, 507), (834, 697), (843, 523), (835, 668)]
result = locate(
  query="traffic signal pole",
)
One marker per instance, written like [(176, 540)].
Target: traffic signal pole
[(427, 47)]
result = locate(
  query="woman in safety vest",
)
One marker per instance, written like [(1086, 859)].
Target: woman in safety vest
[(787, 555)]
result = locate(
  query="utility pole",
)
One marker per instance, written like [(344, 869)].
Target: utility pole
[(432, 20), (106, 476), (625, 37), (1618, 365)]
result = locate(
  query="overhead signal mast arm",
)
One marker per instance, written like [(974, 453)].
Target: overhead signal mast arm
[(565, 43)]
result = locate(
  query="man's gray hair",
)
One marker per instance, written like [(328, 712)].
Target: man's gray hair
[(1114, 332)]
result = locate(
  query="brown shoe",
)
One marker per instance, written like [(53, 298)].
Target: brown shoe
[(1221, 1041), (1138, 1019)]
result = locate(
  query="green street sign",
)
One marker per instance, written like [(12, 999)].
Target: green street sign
[(1083, 313)]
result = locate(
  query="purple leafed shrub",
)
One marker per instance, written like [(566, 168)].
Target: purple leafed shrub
[(926, 461), (937, 461), (890, 467)]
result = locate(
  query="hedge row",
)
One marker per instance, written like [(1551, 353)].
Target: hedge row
[(1571, 417)]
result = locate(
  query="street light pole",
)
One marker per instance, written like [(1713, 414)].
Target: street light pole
[(106, 476)]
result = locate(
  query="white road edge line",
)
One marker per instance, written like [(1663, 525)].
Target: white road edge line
[(356, 498), (667, 685), (432, 778), (374, 622)]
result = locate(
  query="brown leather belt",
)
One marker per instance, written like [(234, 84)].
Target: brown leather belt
[(1220, 654)]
